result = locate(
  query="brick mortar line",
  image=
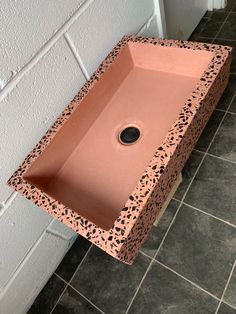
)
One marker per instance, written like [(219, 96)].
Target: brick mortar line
[(6, 204), (76, 55), (26, 257), (146, 24), (43, 50)]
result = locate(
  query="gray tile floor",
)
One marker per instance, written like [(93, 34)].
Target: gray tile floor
[(187, 265)]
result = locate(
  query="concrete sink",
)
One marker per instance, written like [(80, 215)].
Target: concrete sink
[(108, 163)]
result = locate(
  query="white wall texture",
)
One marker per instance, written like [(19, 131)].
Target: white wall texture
[(47, 50), (183, 16)]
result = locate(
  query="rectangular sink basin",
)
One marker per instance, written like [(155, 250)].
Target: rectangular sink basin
[(108, 163)]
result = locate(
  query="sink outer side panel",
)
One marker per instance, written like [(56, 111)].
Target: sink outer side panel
[(131, 228)]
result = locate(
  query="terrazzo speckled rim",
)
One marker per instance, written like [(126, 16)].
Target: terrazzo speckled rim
[(124, 239)]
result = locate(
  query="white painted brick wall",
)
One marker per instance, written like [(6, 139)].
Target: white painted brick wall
[(109, 21), (25, 26), (47, 43), (32, 274), (13, 240)]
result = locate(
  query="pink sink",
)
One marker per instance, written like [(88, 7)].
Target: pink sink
[(108, 163)]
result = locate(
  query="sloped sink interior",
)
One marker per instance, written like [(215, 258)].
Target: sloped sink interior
[(86, 166)]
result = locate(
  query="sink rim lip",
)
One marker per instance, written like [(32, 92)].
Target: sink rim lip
[(112, 240)]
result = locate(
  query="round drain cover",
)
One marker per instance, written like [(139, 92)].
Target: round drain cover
[(129, 135)]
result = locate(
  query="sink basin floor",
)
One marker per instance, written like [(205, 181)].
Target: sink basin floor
[(100, 164)]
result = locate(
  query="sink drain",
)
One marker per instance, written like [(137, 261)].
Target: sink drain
[(129, 135)]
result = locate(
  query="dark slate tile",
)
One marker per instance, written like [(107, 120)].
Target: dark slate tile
[(234, 7), (157, 233), (201, 248), (208, 14), (228, 30), (72, 259), (188, 173), (198, 29), (73, 303), (232, 44), (214, 189), (48, 297), (225, 309), (224, 144), (213, 24), (163, 292), (228, 93), (230, 295), (107, 282), (232, 107), (209, 131), (204, 40)]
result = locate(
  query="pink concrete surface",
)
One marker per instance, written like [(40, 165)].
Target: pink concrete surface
[(106, 191)]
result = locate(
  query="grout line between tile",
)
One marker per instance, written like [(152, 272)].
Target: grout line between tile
[(221, 158), (94, 305), (152, 259), (226, 286), (233, 307), (214, 156), (222, 25), (208, 214), (60, 277), (191, 282), (221, 110), (139, 286), (233, 113), (214, 38), (181, 276), (68, 283), (81, 294)]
